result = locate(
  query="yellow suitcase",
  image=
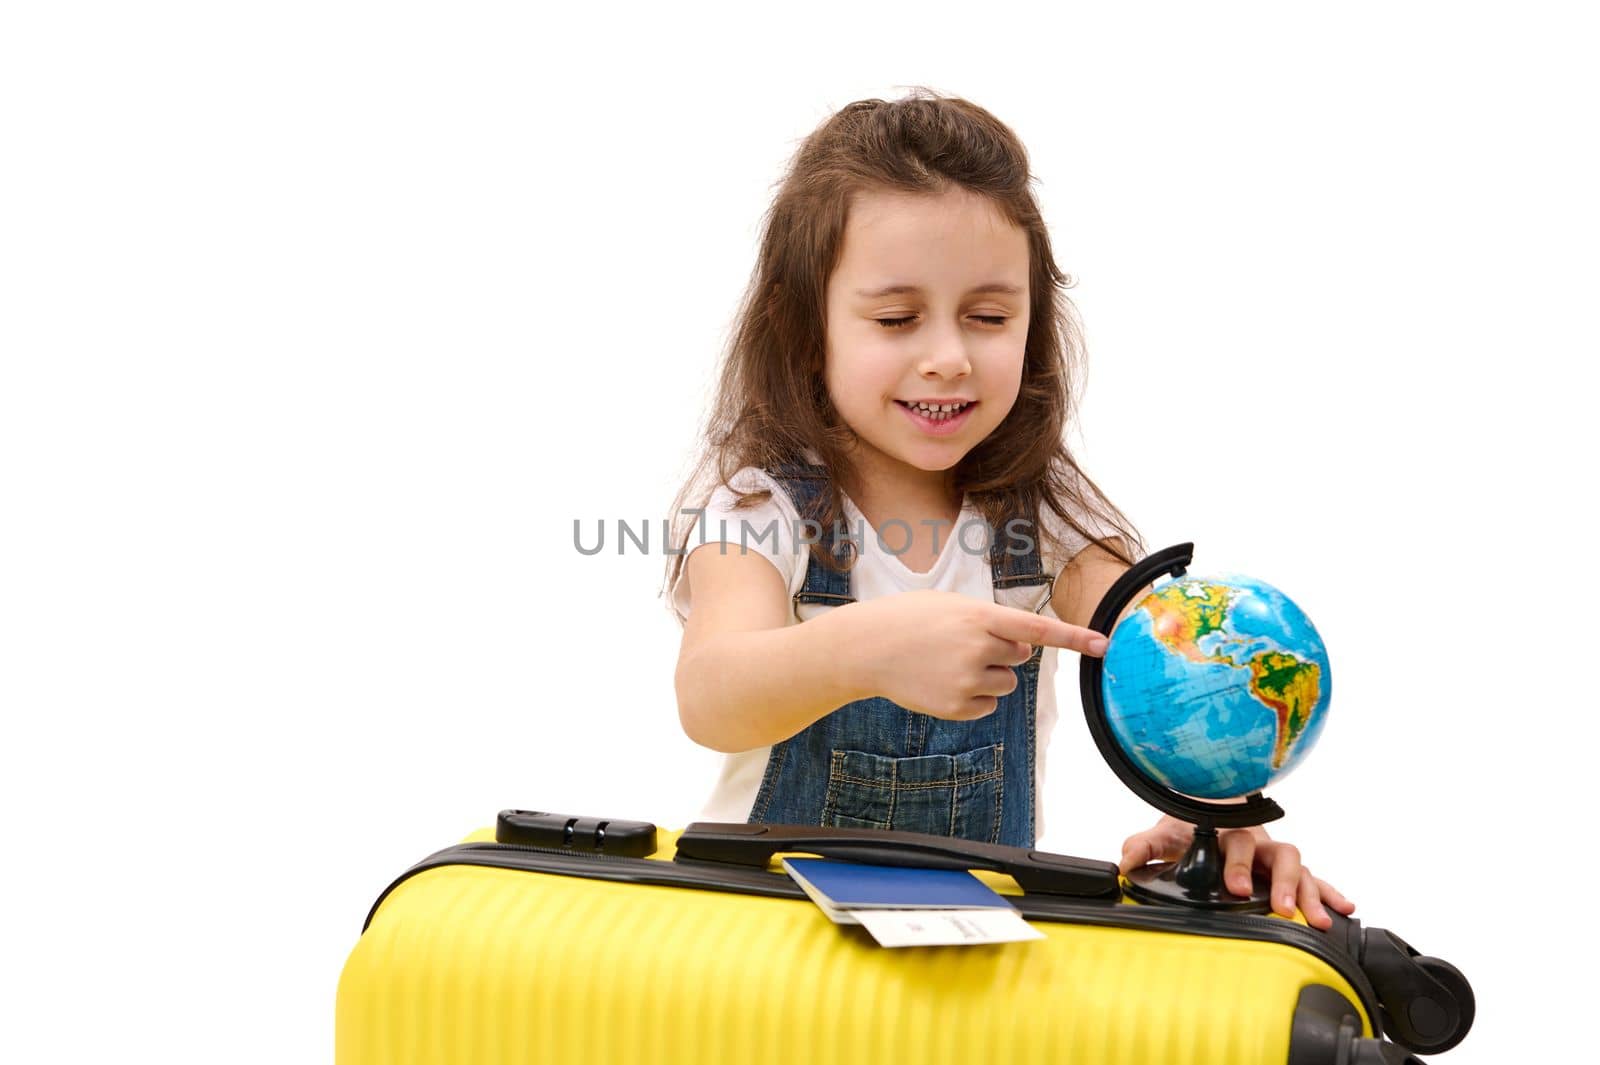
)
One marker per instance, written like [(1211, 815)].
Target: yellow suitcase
[(704, 951)]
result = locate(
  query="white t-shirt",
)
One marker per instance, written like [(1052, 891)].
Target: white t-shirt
[(877, 572)]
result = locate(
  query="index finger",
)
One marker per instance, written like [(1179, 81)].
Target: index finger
[(1012, 624)]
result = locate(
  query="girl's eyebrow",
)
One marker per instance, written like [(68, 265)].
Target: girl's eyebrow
[(895, 290)]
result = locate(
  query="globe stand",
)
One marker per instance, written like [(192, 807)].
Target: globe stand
[(1195, 879)]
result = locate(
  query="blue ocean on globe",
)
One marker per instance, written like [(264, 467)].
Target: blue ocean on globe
[(1216, 686)]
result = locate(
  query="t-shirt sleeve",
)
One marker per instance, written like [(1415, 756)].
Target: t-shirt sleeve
[(1069, 541), (768, 529)]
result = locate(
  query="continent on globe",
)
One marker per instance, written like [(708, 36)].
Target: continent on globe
[(1291, 688), (1180, 616), (1184, 612)]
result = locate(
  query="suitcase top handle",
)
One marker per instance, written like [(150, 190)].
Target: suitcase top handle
[(1036, 872)]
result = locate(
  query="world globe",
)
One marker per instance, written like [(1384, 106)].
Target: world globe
[(1217, 686)]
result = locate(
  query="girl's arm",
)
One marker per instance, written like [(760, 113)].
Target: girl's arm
[(746, 678), (1084, 581), (740, 654)]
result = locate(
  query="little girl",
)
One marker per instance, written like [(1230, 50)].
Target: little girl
[(902, 538)]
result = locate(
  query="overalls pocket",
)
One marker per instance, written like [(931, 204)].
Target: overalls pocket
[(942, 794)]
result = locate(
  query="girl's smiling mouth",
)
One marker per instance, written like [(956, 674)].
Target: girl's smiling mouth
[(937, 417)]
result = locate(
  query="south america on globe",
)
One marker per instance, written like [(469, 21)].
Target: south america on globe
[(1216, 686)]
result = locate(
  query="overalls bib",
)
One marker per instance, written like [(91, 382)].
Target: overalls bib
[(874, 764)]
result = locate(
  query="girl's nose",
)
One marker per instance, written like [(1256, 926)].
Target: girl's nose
[(946, 357)]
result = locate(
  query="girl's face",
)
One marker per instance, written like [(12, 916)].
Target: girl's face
[(928, 306)]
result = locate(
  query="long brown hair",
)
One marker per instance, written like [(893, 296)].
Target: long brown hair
[(771, 405)]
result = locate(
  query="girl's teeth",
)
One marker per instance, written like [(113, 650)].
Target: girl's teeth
[(938, 412)]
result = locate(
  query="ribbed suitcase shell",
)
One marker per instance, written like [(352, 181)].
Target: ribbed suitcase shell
[(479, 966)]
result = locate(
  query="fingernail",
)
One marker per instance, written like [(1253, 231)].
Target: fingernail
[(1097, 646)]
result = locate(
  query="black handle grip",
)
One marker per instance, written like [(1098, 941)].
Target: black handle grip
[(1037, 872)]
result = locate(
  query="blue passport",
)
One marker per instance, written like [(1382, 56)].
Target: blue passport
[(835, 885)]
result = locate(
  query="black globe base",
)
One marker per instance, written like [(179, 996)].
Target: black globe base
[(1196, 880)]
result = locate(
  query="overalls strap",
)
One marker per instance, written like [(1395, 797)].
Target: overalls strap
[(807, 485)]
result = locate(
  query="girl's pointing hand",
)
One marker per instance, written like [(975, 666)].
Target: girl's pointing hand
[(946, 654)]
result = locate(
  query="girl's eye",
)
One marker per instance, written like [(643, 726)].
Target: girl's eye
[(899, 323)]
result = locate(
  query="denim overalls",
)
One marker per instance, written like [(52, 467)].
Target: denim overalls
[(874, 764)]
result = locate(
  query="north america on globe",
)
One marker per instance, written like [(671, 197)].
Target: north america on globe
[(1184, 613)]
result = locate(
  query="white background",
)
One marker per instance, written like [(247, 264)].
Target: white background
[(322, 324)]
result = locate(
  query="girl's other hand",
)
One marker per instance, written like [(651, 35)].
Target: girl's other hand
[(949, 655), (1242, 850)]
